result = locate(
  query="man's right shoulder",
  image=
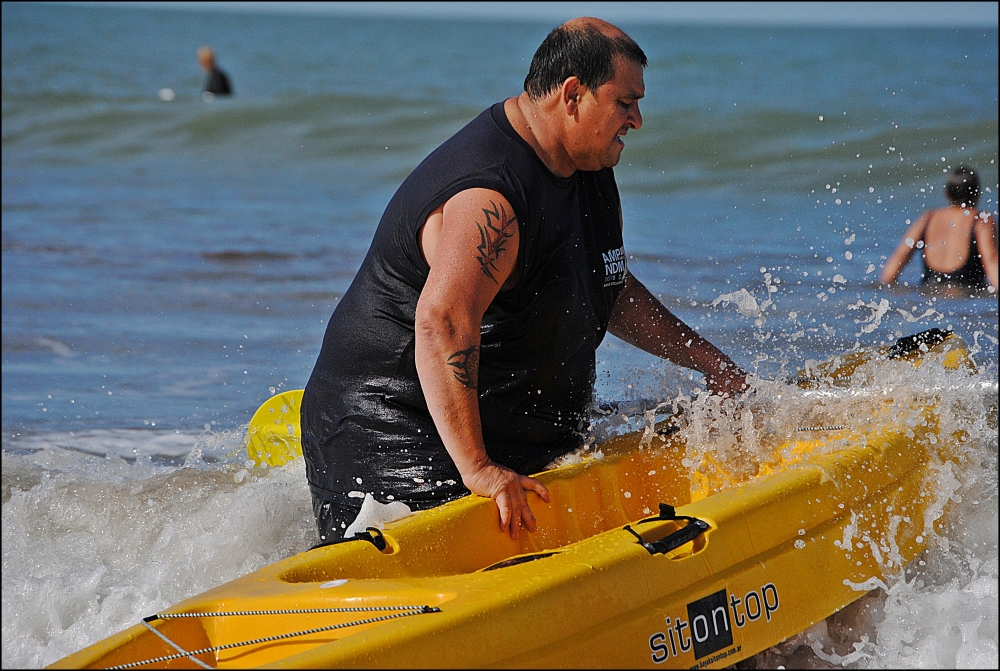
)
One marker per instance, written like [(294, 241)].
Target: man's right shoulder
[(477, 155), (479, 134)]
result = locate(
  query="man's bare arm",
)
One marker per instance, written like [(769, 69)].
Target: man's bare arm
[(474, 250), (641, 320)]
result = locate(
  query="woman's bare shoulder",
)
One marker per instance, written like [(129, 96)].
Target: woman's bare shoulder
[(950, 216), (985, 224)]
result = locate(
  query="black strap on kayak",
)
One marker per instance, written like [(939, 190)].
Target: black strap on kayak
[(694, 528), (372, 534), (190, 654), (516, 561), (912, 343)]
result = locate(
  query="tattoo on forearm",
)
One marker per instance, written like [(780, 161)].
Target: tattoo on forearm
[(465, 365), (494, 235)]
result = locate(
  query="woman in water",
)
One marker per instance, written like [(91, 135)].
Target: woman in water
[(958, 241)]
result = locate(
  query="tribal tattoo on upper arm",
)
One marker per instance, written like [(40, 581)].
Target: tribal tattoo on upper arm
[(466, 366), (494, 235)]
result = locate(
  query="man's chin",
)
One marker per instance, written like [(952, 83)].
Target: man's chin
[(612, 158)]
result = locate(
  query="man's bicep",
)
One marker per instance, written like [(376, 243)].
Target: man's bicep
[(482, 226), (629, 308), (477, 248)]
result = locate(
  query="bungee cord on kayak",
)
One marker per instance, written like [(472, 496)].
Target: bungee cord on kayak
[(190, 654)]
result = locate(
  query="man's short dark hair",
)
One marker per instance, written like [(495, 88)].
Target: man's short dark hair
[(962, 187), (584, 52)]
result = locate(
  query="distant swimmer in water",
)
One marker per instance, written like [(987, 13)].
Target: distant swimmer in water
[(958, 241), (217, 82)]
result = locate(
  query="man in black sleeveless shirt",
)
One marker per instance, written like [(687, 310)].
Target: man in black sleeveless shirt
[(462, 357)]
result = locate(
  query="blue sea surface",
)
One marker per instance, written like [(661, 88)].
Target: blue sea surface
[(168, 264)]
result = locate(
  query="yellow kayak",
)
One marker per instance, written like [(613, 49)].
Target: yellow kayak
[(636, 562)]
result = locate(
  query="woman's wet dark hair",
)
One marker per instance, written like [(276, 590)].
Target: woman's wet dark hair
[(584, 52), (962, 187)]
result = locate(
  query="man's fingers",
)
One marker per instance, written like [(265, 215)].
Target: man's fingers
[(515, 523), (518, 504), (503, 504), (511, 498), (535, 486), (528, 518), (727, 385)]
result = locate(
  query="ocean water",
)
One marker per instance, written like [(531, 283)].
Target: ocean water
[(167, 265)]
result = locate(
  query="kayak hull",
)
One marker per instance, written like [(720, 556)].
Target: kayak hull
[(778, 556)]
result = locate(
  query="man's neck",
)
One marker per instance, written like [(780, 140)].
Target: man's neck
[(536, 127)]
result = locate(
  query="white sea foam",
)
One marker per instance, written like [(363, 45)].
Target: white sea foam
[(92, 544), (744, 301), (874, 320), (942, 611)]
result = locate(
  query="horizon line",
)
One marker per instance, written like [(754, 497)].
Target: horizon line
[(732, 14)]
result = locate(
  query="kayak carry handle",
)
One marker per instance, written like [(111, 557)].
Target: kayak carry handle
[(372, 534), (694, 528)]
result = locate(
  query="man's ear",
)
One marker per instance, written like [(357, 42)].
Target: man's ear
[(570, 94)]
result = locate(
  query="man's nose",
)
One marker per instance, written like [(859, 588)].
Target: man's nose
[(635, 117)]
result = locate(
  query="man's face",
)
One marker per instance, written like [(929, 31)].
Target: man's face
[(605, 115)]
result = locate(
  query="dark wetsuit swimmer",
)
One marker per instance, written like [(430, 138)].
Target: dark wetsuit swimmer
[(216, 81), (958, 242), (462, 357)]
